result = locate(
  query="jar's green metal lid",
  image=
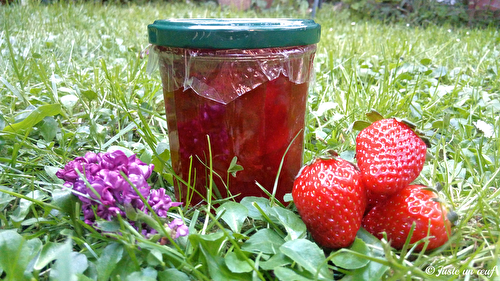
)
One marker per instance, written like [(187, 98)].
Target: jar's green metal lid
[(233, 33)]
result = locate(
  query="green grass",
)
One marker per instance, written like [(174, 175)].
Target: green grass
[(79, 66)]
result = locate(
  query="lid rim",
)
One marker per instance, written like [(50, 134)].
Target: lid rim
[(233, 33)]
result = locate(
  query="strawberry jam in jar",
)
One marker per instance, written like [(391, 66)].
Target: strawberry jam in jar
[(235, 94)]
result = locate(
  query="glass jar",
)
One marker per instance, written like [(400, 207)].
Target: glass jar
[(235, 94)]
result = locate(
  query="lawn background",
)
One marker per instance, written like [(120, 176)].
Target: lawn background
[(73, 79)]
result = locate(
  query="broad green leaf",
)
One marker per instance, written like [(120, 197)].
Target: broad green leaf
[(146, 156), (441, 90), (48, 128), (33, 247), (125, 267), (172, 274), (51, 172), (69, 101), (324, 107), (287, 274), (34, 117), (50, 252), (82, 277), (108, 226), (16, 254), (349, 155), (439, 124), (131, 212), (173, 257), (154, 258), (146, 108), (79, 262), (369, 239), (107, 262), (162, 149), (5, 198), (36, 90), (31, 221), (24, 206), (320, 134), (439, 72), (210, 242), (356, 5), (308, 255), (425, 61), (344, 258), (207, 250), (404, 76), (234, 215), (288, 197), (373, 271), (62, 267), (89, 94), (275, 261), (68, 263), (146, 274), (83, 133), (98, 132), (487, 129), (219, 271), (234, 167), (265, 240), (162, 156), (293, 224), (252, 211), (64, 199), (237, 262)]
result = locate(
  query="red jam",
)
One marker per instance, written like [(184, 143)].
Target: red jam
[(256, 127)]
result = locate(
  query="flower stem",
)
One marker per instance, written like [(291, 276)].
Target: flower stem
[(153, 212)]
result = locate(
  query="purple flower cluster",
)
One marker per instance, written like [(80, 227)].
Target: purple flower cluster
[(105, 193)]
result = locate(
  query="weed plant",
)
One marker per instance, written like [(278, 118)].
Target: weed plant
[(73, 79)]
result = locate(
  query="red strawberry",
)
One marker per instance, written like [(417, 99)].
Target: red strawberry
[(331, 199), (390, 155), (373, 199), (413, 204)]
